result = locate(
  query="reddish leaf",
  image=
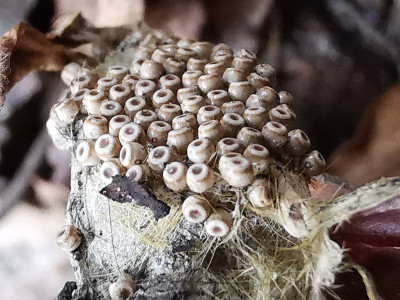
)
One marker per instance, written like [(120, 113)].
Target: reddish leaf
[(373, 241)]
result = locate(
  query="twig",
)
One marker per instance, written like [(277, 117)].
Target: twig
[(10, 196), (350, 20), (385, 14), (374, 53)]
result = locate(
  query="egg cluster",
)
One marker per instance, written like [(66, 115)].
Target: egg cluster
[(190, 113)]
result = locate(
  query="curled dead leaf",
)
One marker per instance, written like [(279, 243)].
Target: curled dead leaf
[(24, 49), (6, 45), (75, 30)]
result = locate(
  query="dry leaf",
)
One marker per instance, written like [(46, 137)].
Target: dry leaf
[(374, 151), (74, 31), (6, 45), (122, 190), (24, 49), (104, 13)]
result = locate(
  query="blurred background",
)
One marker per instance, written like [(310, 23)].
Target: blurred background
[(340, 60)]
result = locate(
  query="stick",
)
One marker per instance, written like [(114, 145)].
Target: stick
[(10, 196)]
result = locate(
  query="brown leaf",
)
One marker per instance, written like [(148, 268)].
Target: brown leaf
[(374, 151), (6, 45), (24, 49), (75, 30), (71, 30), (104, 13)]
